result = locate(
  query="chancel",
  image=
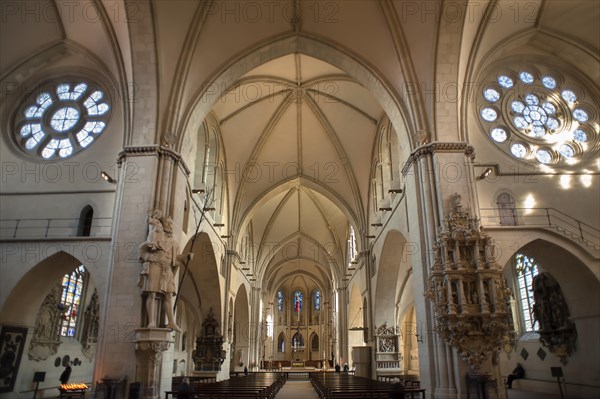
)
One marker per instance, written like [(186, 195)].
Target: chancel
[(251, 196)]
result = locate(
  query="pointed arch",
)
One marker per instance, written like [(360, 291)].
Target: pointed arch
[(34, 286), (86, 218), (281, 342)]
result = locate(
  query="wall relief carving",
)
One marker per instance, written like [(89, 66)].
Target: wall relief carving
[(46, 336), (89, 337), (557, 331)]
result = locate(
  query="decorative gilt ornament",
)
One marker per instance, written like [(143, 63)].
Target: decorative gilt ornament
[(469, 295)]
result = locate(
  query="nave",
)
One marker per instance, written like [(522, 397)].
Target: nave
[(297, 390)]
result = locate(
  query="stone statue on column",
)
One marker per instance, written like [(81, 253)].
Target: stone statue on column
[(160, 259)]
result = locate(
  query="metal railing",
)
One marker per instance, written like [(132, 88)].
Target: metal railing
[(550, 218), (53, 228)]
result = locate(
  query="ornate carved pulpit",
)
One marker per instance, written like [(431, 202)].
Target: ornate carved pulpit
[(467, 291)]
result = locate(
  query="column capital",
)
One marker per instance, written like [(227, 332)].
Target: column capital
[(437, 147), (153, 150)]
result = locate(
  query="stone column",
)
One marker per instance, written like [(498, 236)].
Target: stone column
[(343, 324), (440, 169), (254, 329), (150, 343), (140, 170)]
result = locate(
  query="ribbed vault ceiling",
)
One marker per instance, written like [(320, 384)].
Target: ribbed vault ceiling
[(292, 121)]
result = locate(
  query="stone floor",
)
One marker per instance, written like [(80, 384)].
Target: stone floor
[(297, 390)]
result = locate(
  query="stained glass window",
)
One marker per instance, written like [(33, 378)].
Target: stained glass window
[(61, 121), (280, 301), (70, 301), (298, 299), (526, 269), (317, 300)]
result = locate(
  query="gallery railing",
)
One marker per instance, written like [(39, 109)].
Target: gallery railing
[(550, 218), (54, 228)]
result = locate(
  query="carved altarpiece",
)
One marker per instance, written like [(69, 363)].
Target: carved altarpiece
[(209, 354), (469, 296), (388, 355)]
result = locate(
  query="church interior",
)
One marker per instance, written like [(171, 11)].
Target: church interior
[(404, 190)]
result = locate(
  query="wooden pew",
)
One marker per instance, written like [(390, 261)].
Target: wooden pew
[(338, 386), (255, 386)]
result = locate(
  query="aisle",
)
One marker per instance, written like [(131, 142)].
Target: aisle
[(297, 390)]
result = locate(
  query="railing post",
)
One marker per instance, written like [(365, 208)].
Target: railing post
[(16, 228), (548, 216), (580, 230), (48, 227)]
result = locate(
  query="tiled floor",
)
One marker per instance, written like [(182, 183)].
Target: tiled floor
[(297, 390)]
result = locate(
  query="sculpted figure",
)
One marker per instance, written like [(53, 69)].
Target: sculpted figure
[(160, 259)]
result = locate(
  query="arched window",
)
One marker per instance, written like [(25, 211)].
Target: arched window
[(280, 300), (70, 301), (526, 269), (352, 251), (85, 221), (506, 210), (374, 194), (297, 341), (314, 343), (281, 343), (317, 300), (298, 301), (206, 157)]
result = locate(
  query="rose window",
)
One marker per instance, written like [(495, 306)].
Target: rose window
[(539, 116), (62, 120)]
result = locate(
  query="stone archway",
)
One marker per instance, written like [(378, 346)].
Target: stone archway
[(201, 284), (34, 286), (240, 344), (53, 315), (581, 292), (356, 322), (392, 260)]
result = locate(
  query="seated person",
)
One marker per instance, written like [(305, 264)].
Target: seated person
[(346, 368), (337, 368), (518, 372), (185, 390)]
